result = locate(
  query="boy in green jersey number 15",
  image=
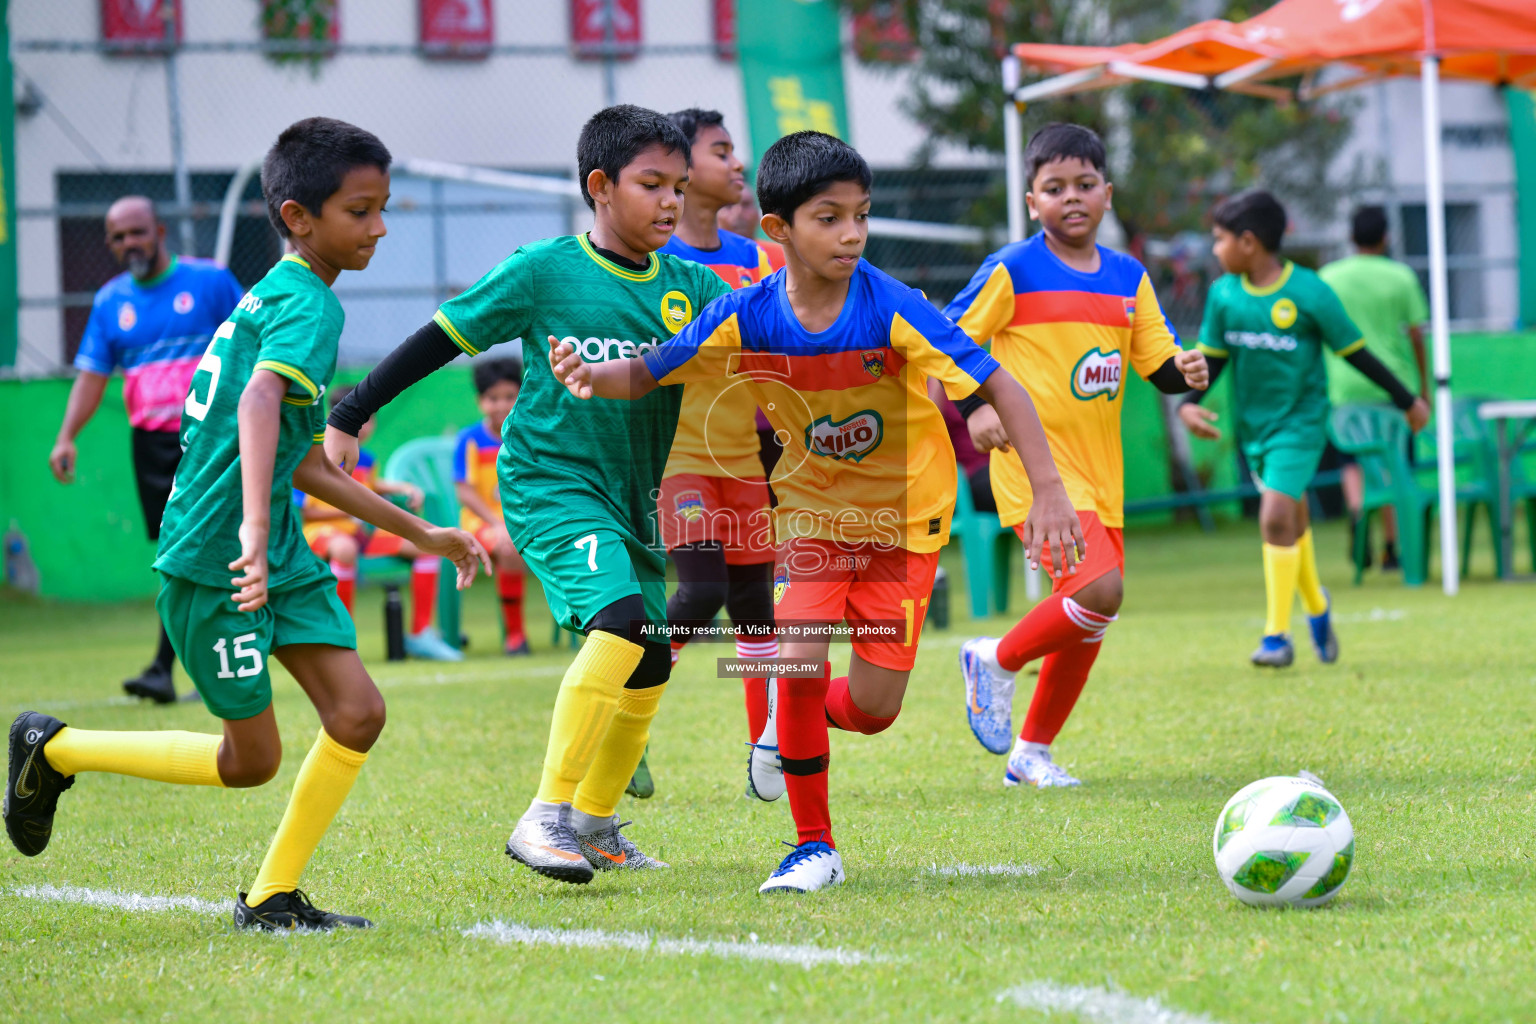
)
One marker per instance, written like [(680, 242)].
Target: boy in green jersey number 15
[(250, 434), (1271, 319), (579, 479)]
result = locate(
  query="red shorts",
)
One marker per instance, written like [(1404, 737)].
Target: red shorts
[(695, 509), (374, 543), (489, 535), (881, 591), (1106, 552), (382, 544)]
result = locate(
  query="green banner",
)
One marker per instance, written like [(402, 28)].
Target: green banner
[(1522, 139), (791, 68), (9, 327)]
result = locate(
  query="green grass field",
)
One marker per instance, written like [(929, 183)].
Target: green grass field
[(1424, 731)]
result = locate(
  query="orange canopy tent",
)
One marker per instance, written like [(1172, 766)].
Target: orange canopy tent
[(1491, 41)]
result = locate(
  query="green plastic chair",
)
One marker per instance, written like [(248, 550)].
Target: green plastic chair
[(987, 546), (427, 462), (1478, 482)]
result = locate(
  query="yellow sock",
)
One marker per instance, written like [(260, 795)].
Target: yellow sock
[(1307, 583), (600, 792), (324, 781), (584, 708), (184, 758), (1280, 565)]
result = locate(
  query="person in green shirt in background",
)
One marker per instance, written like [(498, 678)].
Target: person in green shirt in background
[(1384, 299)]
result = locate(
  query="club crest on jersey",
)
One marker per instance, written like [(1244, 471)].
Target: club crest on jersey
[(780, 582), (851, 439), (1129, 302), (182, 303), (1097, 373), (676, 310), (1283, 313), (690, 505), (874, 363), (127, 316)]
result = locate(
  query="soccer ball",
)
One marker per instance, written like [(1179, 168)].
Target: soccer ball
[(1284, 840)]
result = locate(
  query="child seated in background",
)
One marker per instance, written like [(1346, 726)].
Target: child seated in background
[(340, 539), (474, 479)]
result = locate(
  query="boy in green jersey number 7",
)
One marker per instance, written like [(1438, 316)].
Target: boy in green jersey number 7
[(579, 479), (250, 434), (1271, 319)]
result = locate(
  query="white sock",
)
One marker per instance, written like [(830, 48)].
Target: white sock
[(543, 810), (583, 822), (1021, 746), (986, 647)]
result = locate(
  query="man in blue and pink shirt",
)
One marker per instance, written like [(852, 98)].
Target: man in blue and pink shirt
[(154, 321)]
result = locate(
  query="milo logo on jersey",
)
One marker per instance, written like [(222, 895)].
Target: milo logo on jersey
[(600, 350), (1097, 373), (852, 439)]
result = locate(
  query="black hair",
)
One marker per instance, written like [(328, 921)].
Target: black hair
[(1062, 141), (1369, 227), (490, 372), (803, 164), (309, 160), (614, 136), (1254, 210), (693, 120)]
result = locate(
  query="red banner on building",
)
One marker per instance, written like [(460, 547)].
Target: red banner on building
[(591, 32), (457, 28), (725, 29), (133, 23)]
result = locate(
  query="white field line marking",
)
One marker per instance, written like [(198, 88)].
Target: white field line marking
[(644, 942), (1008, 870), (120, 900), (1374, 615), (1096, 1005)]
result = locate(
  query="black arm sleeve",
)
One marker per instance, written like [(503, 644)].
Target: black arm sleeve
[(1168, 379), (969, 404), (1217, 364), (1377, 373), (417, 356)]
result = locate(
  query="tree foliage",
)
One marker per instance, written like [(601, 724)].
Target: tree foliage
[(1172, 151)]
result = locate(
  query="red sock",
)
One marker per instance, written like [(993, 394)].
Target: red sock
[(756, 687), (1062, 676), (1050, 626), (423, 591), (845, 714), (677, 649), (346, 583), (803, 748), (510, 586)]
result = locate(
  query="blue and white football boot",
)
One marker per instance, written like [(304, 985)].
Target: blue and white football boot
[(809, 866), (1274, 651), (988, 694)]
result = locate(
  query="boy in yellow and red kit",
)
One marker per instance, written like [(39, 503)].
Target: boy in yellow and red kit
[(1064, 316), (840, 356)]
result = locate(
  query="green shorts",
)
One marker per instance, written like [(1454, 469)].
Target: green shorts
[(225, 650), (1285, 464), (584, 570)]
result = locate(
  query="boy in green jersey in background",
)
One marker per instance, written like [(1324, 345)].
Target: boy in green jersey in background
[(1272, 319), (250, 433), (579, 479)]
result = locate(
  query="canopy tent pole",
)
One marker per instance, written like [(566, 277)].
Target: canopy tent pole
[(1013, 172), (1439, 315)]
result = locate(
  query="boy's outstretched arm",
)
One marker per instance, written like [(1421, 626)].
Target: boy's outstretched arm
[(617, 378), (319, 476), (415, 357), (259, 417), (1052, 520)]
